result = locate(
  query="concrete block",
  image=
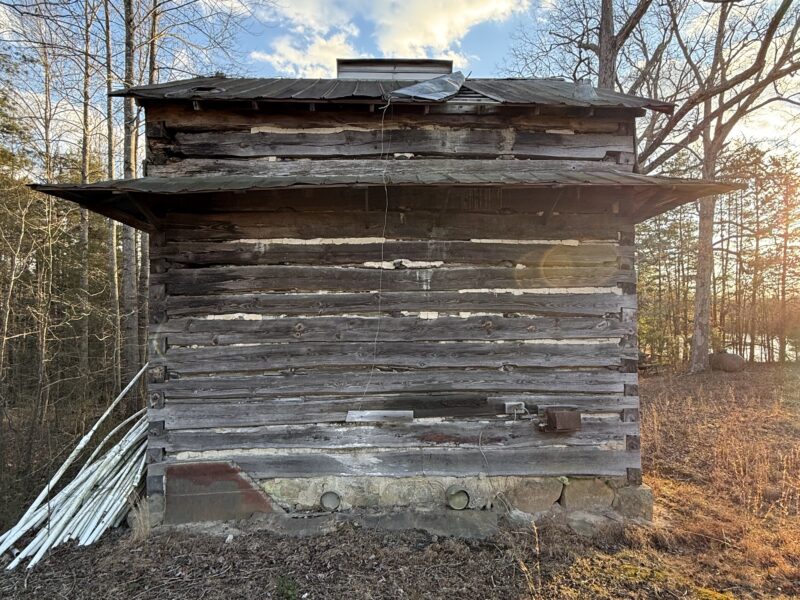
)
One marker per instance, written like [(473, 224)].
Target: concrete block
[(155, 509), (528, 494), (535, 494), (587, 494), (634, 502)]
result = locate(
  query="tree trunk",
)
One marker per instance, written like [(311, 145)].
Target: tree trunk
[(785, 235), (607, 55), (113, 269), (83, 292), (705, 266), (83, 286), (130, 315), (113, 284), (129, 117), (129, 276)]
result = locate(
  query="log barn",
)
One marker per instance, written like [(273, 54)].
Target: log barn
[(397, 288)]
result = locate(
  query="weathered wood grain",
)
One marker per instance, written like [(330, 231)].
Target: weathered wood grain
[(594, 304), (182, 117), (555, 460), (249, 369), (211, 332), (418, 355), (294, 278), (163, 165), (411, 225), (237, 412), (462, 433), (250, 253), (483, 200), (379, 416), (322, 381), (349, 141)]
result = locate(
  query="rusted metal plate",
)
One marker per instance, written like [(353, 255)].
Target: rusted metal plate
[(562, 421), (211, 491)]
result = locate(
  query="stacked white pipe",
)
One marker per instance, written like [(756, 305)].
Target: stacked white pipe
[(98, 498)]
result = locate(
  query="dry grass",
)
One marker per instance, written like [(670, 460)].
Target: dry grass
[(722, 453), (139, 520)]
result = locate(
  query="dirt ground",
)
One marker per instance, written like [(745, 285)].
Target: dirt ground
[(722, 453)]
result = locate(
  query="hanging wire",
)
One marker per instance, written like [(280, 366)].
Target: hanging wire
[(384, 155)]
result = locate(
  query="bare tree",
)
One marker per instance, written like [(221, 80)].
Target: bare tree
[(718, 62)]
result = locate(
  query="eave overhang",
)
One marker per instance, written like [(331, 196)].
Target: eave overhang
[(139, 202)]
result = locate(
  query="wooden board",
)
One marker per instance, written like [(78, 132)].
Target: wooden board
[(180, 116), (401, 225), (209, 332), (321, 381), (355, 435), (419, 355), (237, 412), (292, 278), (548, 461), (377, 140), (562, 304), (339, 252)]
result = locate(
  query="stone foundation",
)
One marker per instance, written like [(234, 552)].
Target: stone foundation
[(532, 496), (585, 503)]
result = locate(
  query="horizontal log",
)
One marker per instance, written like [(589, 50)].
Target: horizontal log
[(380, 139), (181, 116), (483, 200), (379, 416), (291, 278), (382, 382), (211, 360), (464, 434), (237, 412), (163, 165), (266, 252), (420, 355), (547, 461), (413, 225), (213, 332), (568, 304)]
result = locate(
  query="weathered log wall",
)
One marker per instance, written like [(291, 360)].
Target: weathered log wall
[(271, 319), (185, 139)]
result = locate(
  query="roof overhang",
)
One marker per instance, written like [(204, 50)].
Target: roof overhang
[(511, 92), (139, 202)]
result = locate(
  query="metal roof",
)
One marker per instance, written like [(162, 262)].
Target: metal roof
[(122, 199), (547, 92)]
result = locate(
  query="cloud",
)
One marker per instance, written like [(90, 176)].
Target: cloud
[(322, 30), (310, 16), (307, 56), (418, 28)]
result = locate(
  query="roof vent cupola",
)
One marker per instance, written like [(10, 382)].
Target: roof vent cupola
[(405, 69)]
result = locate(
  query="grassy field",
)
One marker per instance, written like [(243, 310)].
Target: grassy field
[(722, 453)]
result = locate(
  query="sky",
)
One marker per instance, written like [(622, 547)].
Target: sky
[(303, 38)]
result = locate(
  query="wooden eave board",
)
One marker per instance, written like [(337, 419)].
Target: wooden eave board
[(125, 200)]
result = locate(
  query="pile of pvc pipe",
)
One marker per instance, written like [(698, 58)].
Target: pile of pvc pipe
[(98, 498)]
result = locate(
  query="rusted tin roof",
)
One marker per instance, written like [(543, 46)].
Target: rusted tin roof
[(545, 92), (122, 199)]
